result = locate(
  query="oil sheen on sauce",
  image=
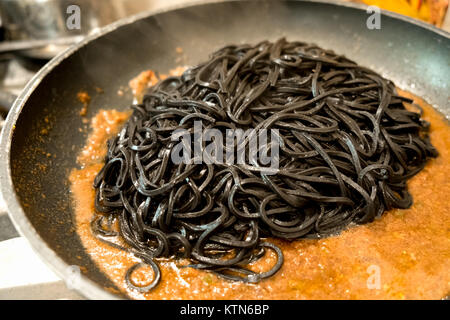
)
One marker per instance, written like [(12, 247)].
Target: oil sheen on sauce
[(403, 255)]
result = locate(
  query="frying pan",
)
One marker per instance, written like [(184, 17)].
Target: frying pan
[(35, 187)]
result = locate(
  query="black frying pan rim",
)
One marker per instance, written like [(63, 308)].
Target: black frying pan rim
[(87, 287)]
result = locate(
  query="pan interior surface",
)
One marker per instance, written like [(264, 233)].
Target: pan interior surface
[(47, 131)]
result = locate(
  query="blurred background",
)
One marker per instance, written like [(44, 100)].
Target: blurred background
[(34, 31), (431, 11)]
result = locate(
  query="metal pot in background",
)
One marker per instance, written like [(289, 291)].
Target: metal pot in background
[(39, 28)]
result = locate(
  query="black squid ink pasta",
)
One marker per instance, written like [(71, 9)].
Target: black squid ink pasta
[(348, 146)]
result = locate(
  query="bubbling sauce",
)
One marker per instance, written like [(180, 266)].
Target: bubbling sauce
[(403, 255)]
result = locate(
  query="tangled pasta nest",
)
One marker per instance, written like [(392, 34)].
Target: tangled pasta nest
[(347, 148)]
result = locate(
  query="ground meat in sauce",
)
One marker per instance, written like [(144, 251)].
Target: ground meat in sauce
[(148, 79)]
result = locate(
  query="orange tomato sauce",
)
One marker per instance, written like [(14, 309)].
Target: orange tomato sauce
[(403, 255)]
